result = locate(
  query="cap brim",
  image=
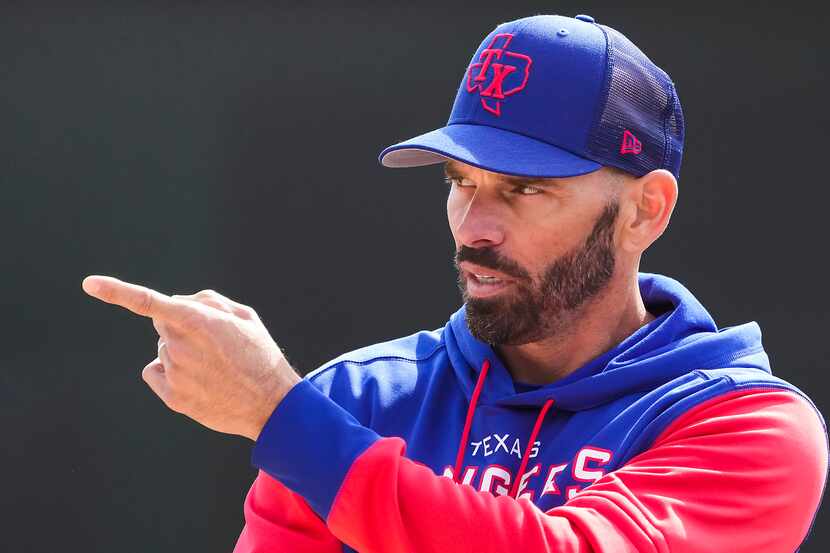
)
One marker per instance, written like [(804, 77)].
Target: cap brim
[(488, 148)]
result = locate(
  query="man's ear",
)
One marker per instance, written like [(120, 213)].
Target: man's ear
[(649, 203)]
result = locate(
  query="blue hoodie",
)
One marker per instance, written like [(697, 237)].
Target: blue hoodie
[(562, 437)]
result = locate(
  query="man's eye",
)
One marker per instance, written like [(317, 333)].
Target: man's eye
[(455, 181), (528, 190)]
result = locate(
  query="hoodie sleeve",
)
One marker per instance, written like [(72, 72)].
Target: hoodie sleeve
[(713, 480), (277, 519)]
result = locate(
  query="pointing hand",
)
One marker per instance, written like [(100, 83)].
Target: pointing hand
[(216, 361)]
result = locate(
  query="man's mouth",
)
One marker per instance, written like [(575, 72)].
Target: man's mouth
[(485, 279), (483, 285)]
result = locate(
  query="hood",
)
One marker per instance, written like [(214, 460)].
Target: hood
[(682, 338)]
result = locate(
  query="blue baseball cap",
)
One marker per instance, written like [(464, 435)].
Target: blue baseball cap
[(554, 96)]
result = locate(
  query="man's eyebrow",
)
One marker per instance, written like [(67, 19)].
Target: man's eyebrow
[(527, 181), (452, 171)]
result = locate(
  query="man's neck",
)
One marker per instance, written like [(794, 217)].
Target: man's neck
[(602, 323)]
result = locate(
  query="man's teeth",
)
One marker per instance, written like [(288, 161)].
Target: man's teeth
[(486, 278)]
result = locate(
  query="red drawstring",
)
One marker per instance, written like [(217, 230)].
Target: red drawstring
[(468, 423), (514, 489), (462, 447)]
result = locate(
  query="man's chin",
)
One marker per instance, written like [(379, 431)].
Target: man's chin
[(486, 305), (492, 320)]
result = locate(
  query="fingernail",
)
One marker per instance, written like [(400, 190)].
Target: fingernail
[(91, 285)]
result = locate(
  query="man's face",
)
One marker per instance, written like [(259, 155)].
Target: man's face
[(529, 252)]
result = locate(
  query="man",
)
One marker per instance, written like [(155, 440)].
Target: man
[(573, 404)]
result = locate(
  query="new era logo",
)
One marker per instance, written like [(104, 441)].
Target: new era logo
[(630, 144)]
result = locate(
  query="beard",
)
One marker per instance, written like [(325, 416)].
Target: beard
[(537, 310)]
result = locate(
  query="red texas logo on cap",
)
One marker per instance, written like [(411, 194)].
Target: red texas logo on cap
[(493, 92)]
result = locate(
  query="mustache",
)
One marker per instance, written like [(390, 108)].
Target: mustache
[(490, 259)]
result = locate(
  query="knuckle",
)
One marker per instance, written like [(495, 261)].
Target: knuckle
[(145, 301), (172, 376), (190, 317), (194, 320), (178, 355), (173, 402), (216, 304), (171, 373), (172, 352)]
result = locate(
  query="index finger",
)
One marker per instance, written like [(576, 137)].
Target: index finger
[(138, 299)]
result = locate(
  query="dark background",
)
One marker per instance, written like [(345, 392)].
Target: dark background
[(233, 146)]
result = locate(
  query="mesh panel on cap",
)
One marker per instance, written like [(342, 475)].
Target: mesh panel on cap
[(641, 100)]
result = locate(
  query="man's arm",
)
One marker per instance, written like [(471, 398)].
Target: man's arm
[(740, 473), (277, 519)]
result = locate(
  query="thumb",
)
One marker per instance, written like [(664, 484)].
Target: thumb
[(153, 375)]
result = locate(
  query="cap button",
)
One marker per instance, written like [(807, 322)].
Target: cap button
[(585, 18)]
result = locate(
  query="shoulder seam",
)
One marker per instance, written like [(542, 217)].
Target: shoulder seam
[(730, 386), (314, 374), (716, 362)]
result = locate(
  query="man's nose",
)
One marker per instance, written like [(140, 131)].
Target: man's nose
[(480, 224)]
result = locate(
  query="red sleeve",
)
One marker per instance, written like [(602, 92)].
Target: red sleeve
[(741, 473), (277, 519)]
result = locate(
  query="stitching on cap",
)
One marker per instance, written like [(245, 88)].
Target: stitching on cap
[(666, 115), (606, 87)]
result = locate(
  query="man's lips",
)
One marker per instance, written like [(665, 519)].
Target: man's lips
[(483, 273), (482, 282)]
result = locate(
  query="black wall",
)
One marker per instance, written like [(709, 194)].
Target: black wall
[(233, 146)]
